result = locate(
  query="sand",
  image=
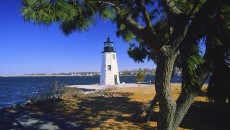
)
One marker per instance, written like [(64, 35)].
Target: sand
[(111, 112)]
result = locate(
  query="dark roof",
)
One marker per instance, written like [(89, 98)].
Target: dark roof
[(108, 40)]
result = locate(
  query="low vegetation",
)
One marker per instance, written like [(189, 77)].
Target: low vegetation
[(47, 93), (58, 91)]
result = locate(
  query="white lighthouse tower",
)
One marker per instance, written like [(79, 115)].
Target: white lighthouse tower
[(109, 68)]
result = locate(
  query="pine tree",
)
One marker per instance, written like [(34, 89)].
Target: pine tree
[(159, 31)]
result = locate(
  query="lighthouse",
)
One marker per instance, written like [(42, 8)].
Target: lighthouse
[(109, 67)]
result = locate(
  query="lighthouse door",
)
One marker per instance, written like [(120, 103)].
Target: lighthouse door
[(115, 79)]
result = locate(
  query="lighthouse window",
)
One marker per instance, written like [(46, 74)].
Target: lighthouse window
[(109, 67), (114, 56)]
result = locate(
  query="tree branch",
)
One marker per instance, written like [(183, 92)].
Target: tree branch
[(134, 27), (187, 31), (193, 8), (144, 12), (187, 95), (179, 38), (146, 34), (170, 7), (111, 4)]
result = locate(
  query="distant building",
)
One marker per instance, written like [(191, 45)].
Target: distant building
[(109, 67)]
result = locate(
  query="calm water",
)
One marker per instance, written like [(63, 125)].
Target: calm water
[(13, 90)]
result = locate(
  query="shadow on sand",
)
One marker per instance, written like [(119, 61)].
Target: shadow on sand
[(106, 113), (205, 116), (87, 113)]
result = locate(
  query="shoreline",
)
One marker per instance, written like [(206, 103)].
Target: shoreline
[(49, 75), (95, 87), (112, 109), (43, 75), (98, 86)]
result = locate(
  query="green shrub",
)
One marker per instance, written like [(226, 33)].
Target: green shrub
[(47, 92)]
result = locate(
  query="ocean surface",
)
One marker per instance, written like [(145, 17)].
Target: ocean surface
[(15, 90)]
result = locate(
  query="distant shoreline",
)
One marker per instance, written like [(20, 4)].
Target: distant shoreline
[(43, 75), (55, 75)]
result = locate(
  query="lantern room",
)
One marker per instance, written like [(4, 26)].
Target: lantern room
[(108, 46)]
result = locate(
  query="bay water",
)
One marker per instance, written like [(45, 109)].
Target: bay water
[(15, 90)]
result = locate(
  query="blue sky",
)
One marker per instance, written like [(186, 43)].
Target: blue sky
[(29, 48)]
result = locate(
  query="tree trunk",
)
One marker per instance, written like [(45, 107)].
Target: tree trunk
[(147, 112), (185, 100), (171, 112), (163, 90)]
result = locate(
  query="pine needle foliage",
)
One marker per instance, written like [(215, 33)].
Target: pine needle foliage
[(43, 12), (156, 30)]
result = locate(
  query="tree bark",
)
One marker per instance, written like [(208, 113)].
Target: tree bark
[(186, 98), (149, 110), (184, 102), (163, 90), (171, 112)]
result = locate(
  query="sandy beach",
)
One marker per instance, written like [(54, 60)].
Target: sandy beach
[(117, 110)]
